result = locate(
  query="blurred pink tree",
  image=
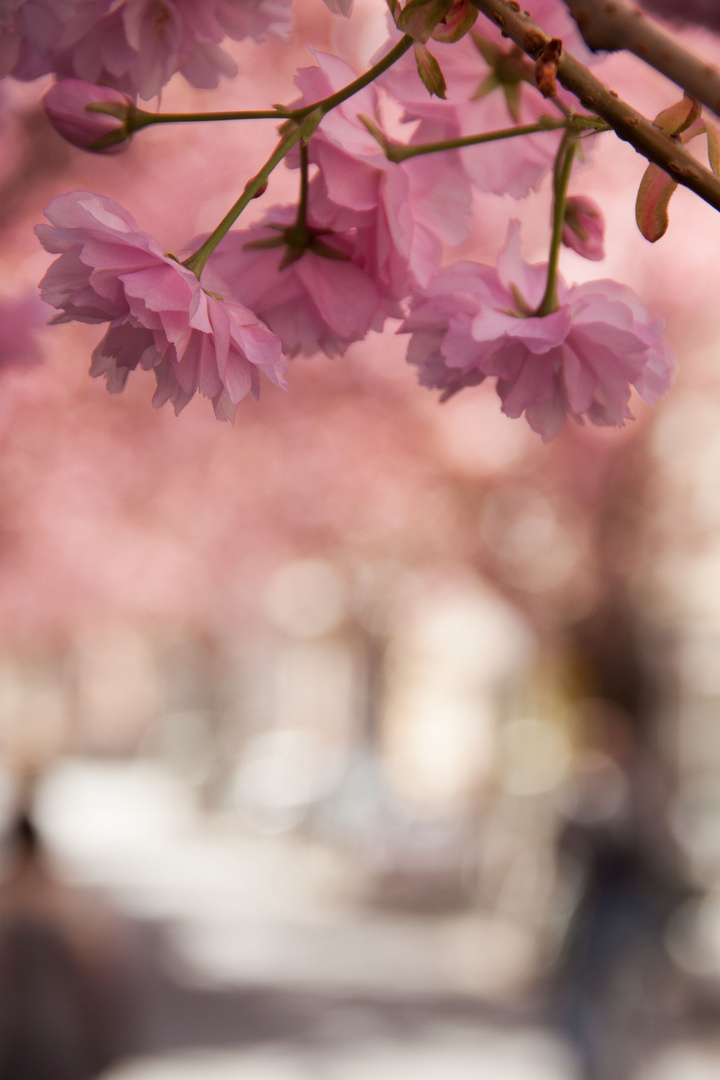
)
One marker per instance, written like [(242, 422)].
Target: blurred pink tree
[(106, 503)]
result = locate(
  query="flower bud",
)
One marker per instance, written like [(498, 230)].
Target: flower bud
[(420, 17), (459, 19), (584, 227), (89, 116)]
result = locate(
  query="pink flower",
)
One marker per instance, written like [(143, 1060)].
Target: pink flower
[(160, 316), (135, 45), (402, 212), (581, 360), (66, 104), (32, 32), (584, 227), (316, 302), (442, 315), (10, 35)]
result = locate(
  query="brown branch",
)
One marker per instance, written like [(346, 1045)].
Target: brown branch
[(627, 123), (616, 25)]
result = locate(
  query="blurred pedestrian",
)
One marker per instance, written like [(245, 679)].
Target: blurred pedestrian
[(617, 985), (63, 1009)]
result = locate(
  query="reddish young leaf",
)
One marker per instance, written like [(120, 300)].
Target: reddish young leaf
[(676, 118), (651, 207)]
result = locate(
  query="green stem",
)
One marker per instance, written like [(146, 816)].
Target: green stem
[(197, 260), (307, 119), (138, 118), (360, 83), (399, 152), (563, 169), (298, 235)]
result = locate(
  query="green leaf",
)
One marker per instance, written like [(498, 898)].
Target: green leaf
[(291, 255), (112, 108), (651, 208), (489, 51), (429, 71), (513, 96), (489, 83), (112, 138), (268, 242), (327, 252)]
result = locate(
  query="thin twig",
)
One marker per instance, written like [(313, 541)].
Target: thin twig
[(617, 25), (627, 123)]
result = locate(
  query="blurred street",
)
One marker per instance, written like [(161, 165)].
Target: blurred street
[(261, 956)]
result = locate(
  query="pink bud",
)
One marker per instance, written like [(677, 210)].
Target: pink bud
[(459, 19), (584, 227), (89, 116)]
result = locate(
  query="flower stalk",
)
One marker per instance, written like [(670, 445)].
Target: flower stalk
[(134, 119), (561, 178), (399, 152), (298, 235), (333, 100), (139, 118)]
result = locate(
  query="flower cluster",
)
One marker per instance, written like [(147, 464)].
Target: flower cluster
[(160, 316), (580, 360), (367, 239)]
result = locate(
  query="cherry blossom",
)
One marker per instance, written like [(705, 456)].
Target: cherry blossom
[(134, 45), (402, 212), (32, 32), (321, 301), (10, 34), (581, 360), (160, 316)]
